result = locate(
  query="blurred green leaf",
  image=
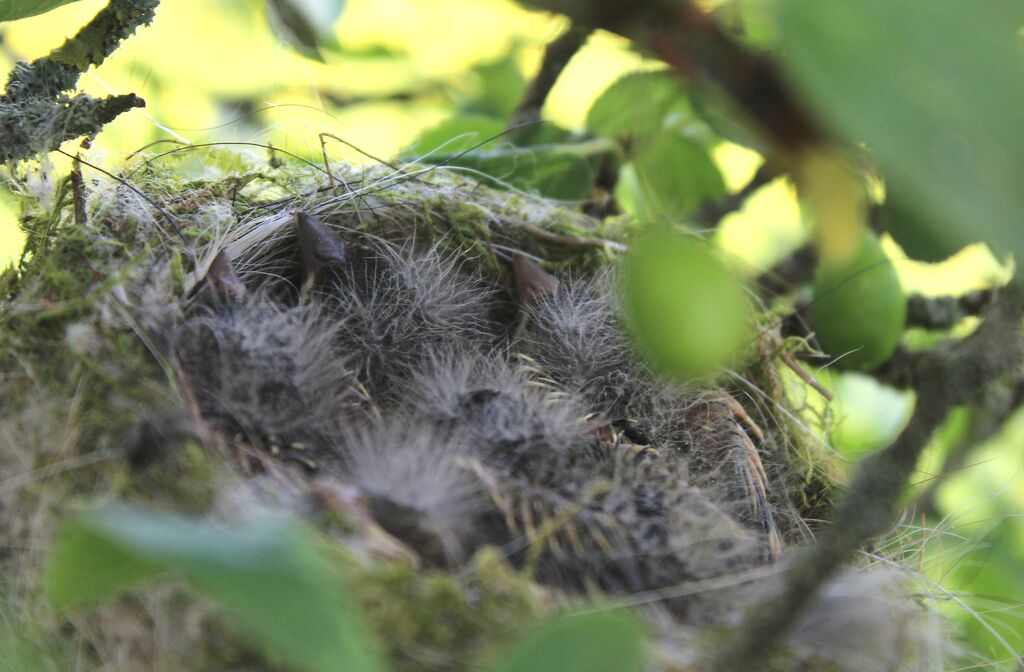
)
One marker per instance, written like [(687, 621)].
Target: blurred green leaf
[(19, 9), (988, 577), (935, 89), (629, 193), (267, 572), (501, 86), (544, 133), (916, 236), (457, 134), (868, 415), (676, 175), (465, 132), (564, 171), (685, 307), (722, 117), (637, 104), (602, 642), (306, 25)]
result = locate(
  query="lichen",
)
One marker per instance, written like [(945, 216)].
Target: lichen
[(37, 113)]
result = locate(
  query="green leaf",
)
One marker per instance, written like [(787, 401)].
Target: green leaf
[(457, 134), (723, 118), (637, 104), (306, 25), (915, 235), (500, 86), (563, 171), (602, 642), (675, 174), (935, 89), (19, 9), (267, 572), (686, 309)]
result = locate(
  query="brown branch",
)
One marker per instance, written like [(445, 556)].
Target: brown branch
[(944, 312), (714, 211), (944, 378), (78, 186), (557, 55), (691, 42), (805, 375), (570, 241), (796, 269)]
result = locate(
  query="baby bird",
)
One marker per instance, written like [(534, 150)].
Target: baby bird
[(545, 437)]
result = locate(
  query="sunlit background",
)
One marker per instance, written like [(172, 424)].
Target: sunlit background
[(214, 72)]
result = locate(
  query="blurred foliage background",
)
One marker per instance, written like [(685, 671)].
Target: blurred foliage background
[(214, 72)]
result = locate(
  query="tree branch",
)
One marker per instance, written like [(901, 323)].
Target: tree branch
[(557, 55), (36, 112), (796, 269), (946, 377), (714, 211), (986, 417), (691, 42), (944, 312), (58, 72), (35, 126)]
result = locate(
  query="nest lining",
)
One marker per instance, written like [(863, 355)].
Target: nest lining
[(406, 369)]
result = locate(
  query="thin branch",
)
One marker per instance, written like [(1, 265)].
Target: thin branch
[(557, 55), (694, 45), (944, 378), (51, 76), (986, 418), (944, 312), (796, 269), (570, 241), (805, 375), (714, 211), (78, 186), (36, 112)]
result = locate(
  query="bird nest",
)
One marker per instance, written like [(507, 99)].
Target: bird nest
[(434, 373)]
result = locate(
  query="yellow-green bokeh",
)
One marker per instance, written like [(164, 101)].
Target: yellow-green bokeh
[(204, 67)]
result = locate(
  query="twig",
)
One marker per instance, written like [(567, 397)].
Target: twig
[(944, 312), (945, 377), (345, 142), (36, 112), (570, 241), (52, 75), (804, 375), (689, 40), (19, 481), (557, 55), (986, 417), (168, 217), (796, 269), (714, 211), (78, 186)]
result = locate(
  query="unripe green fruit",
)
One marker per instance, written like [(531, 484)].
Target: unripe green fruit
[(859, 309), (687, 310)]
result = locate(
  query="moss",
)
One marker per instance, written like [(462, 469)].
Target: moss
[(184, 476), (435, 621), (24, 647), (85, 330)]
